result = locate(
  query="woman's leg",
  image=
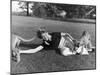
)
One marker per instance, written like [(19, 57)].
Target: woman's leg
[(68, 35), (65, 50)]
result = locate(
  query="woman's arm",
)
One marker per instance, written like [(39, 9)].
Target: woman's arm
[(39, 48)]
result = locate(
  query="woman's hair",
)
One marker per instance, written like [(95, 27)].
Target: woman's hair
[(39, 34), (40, 31)]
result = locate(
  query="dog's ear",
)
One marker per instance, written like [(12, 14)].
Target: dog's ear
[(85, 33)]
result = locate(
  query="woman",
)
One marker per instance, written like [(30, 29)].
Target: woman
[(57, 40)]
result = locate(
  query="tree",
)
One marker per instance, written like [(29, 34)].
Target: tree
[(25, 7)]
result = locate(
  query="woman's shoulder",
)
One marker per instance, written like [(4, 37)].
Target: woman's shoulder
[(55, 33)]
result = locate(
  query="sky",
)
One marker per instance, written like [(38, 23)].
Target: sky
[(15, 7)]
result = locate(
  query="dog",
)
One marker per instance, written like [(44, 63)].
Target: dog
[(15, 42), (85, 44)]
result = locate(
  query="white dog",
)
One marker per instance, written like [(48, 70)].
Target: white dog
[(85, 44), (15, 41)]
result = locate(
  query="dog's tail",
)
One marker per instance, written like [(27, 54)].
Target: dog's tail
[(25, 40)]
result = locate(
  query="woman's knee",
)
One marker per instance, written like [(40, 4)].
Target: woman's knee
[(65, 51)]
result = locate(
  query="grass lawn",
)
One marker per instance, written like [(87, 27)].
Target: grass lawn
[(50, 60)]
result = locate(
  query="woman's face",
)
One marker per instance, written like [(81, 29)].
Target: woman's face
[(44, 36)]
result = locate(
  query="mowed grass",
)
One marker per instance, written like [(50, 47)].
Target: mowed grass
[(50, 60)]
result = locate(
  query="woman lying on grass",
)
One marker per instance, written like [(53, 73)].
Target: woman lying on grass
[(58, 40)]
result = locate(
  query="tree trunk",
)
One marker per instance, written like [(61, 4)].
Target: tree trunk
[(27, 3)]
